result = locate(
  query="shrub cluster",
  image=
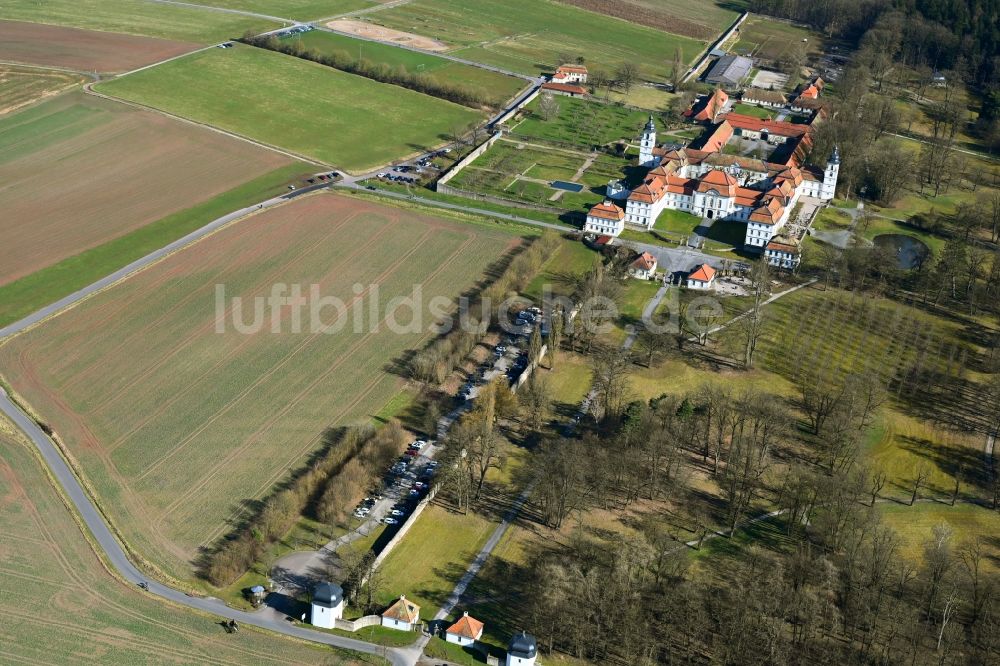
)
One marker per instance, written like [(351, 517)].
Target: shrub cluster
[(278, 513), (370, 458), (371, 70), (435, 362)]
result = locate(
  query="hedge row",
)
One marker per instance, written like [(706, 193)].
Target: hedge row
[(370, 70)]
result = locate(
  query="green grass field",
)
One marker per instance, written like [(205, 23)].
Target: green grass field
[(300, 10), (177, 427), (137, 17), (491, 86), (60, 604), (581, 123), (771, 39), (428, 563), (341, 119), (531, 36), (752, 110), (914, 525)]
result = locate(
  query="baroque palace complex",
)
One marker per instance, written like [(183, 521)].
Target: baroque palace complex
[(707, 180)]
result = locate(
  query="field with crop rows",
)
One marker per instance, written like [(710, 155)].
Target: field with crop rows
[(21, 86), (137, 17), (349, 121), (178, 427), (82, 50), (84, 170), (61, 606)]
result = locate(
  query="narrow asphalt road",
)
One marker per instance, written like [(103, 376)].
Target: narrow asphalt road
[(150, 258), (117, 559)]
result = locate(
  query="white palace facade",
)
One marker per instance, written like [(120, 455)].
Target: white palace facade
[(709, 183)]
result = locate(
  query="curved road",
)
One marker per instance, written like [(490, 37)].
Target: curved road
[(116, 556)]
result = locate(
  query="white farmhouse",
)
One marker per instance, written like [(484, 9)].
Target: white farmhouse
[(403, 615), (702, 277), (570, 74), (465, 632), (606, 219), (327, 605)]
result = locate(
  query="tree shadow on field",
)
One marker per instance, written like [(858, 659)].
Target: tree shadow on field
[(401, 365), (966, 462)]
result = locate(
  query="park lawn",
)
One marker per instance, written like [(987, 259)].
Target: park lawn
[(831, 219), (492, 87), (900, 443), (572, 260), (647, 97), (878, 226), (21, 85), (555, 166), (914, 525), (32, 292), (581, 123), (675, 377), (569, 382), (676, 222), (137, 17), (300, 10), (531, 36), (431, 559), (770, 39), (753, 110), (169, 419), (49, 564), (300, 106)]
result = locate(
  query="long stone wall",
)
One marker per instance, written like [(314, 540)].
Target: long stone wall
[(360, 623), (693, 72), (467, 160)]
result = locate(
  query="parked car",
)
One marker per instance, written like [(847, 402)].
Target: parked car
[(412, 452), (418, 444), (398, 513), (389, 520)]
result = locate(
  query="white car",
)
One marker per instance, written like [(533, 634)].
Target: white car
[(419, 444), (389, 521), (398, 513)]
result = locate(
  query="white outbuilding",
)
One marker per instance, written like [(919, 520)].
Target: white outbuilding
[(327, 605)]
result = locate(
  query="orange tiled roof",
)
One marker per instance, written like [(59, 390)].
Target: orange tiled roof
[(718, 180), (779, 246), (645, 262), (607, 211), (703, 273), (565, 87), (467, 627), (571, 69), (778, 127)]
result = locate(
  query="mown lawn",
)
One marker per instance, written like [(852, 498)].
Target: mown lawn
[(753, 110), (137, 17), (571, 260), (432, 557), (341, 119), (492, 87), (914, 526), (300, 10)]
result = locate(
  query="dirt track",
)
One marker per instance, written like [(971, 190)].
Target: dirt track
[(82, 50), (377, 32)]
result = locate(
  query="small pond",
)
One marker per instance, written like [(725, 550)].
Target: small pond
[(569, 187), (910, 252)]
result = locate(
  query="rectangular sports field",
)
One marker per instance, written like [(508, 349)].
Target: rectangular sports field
[(21, 86), (85, 170), (61, 606), (494, 88), (532, 36), (82, 50), (137, 17), (178, 427), (345, 120)]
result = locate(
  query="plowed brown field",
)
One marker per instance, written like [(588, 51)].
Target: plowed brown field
[(77, 171), (179, 427), (82, 50)]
